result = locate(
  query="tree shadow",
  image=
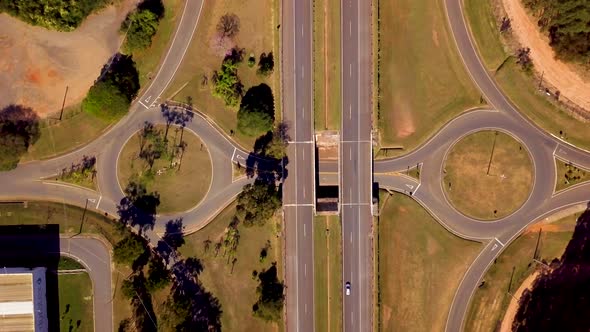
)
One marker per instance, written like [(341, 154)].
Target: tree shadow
[(19, 129), (558, 300), (120, 71), (172, 239), (154, 6), (268, 160), (138, 207)]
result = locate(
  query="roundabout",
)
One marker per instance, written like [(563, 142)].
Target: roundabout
[(175, 163), (487, 175)]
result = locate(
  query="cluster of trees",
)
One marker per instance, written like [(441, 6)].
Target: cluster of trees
[(61, 15), (226, 83), (188, 307), (271, 297), (257, 203), (567, 23), (558, 300), (111, 95), (257, 111), (19, 129), (141, 25)]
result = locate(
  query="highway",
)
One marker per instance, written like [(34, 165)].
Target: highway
[(356, 164), (299, 184), (355, 168)]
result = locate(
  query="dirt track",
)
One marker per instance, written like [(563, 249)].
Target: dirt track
[(37, 64), (556, 72)]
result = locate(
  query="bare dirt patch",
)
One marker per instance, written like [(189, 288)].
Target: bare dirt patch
[(37, 64), (513, 306), (558, 73)]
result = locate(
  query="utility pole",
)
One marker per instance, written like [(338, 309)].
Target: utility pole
[(63, 104), (541, 81), (492, 155)]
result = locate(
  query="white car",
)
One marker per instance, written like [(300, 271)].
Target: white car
[(348, 288)]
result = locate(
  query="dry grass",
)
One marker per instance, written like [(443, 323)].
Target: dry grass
[(519, 86), (569, 175), (478, 194), (175, 194), (326, 64), (423, 83), (236, 291), (490, 301), (421, 265), (328, 273), (258, 29)]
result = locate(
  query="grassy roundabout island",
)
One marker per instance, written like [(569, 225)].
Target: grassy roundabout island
[(488, 175), (177, 169)]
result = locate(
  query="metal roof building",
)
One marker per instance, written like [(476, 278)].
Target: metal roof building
[(23, 300)]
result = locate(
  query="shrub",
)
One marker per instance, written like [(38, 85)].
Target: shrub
[(227, 84), (19, 128), (256, 113)]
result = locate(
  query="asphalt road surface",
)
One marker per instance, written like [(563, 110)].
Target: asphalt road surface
[(356, 164), (299, 184)]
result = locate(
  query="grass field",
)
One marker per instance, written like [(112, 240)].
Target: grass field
[(236, 290), (175, 195), (326, 64), (488, 195), (420, 267), (67, 263), (423, 83), (569, 175), (75, 302), (258, 31), (327, 248), (79, 128), (520, 87), (490, 301)]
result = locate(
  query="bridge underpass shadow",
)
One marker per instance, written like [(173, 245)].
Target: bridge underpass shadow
[(30, 246)]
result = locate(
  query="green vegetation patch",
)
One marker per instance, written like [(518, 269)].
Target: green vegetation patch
[(164, 159), (488, 175), (569, 174), (233, 276), (567, 24), (19, 129), (327, 250), (512, 267), (110, 97), (75, 302), (422, 81), (420, 267), (67, 263), (62, 15)]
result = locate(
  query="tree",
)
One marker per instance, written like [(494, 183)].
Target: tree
[(227, 84), (523, 57), (257, 203), (256, 113), (228, 25), (140, 26), (266, 64), (111, 95), (271, 295), (19, 129), (129, 249), (158, 275)]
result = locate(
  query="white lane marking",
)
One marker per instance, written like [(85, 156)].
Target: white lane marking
[(297, 204), (350, 28), (142, 104), (417, 188), (305, 270), (555, 150), (304, 193), (300, 142), (233, 154), (350, 237), (303, 154), (500, 242), (355, 204), (350, 69), (302, 72), (304, 231), (349, 115), (359, 141), (302, 30), (495, 246), (147, 100), (350, 153), (303, 114), (99, 199), (410, 186), (92, 200)]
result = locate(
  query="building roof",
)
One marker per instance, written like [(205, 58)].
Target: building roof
[(16, 302)]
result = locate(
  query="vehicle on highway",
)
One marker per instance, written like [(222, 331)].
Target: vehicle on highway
[(348, 288)]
